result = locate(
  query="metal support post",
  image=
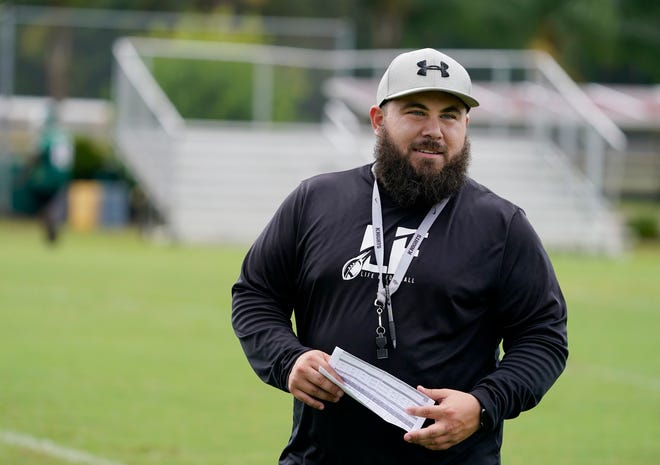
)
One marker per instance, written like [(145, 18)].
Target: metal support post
[(7, 41), (595, 148), (262, 96)]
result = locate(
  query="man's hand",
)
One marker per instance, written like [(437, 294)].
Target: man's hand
[(308, 385), (456, 418)]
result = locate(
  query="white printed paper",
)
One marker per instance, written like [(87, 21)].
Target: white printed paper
[(379, 391)]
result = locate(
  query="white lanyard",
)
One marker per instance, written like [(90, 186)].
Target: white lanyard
[(384, 296)]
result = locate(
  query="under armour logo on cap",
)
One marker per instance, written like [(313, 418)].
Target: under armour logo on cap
[(423, 67)]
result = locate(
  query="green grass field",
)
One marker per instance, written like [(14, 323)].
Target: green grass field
[(123, 349)]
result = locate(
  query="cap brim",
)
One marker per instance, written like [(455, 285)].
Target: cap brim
[(469, 101)]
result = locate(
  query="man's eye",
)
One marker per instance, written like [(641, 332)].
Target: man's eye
[(449, 116)]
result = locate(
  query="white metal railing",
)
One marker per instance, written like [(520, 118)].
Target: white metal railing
[(148, 127), (558, 111), (580, 102), (341, 126), (587, 133)]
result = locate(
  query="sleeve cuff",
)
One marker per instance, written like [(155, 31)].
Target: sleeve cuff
[(487, 418)]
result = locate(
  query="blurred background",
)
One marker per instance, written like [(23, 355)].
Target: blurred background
[(152, 140), (158, 99)]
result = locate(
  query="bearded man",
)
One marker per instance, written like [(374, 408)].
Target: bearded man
[(413, 267)]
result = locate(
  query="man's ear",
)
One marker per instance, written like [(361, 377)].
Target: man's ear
[(376, 115), (467, 119)]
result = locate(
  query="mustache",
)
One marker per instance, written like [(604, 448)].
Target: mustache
[(429, 146)]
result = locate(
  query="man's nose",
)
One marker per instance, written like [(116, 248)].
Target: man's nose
[(432, 128)]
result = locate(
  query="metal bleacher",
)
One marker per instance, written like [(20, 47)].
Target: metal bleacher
[(230, 180), (222, 181)]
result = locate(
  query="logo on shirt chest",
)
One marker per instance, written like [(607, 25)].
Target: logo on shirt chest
[(365, 264)]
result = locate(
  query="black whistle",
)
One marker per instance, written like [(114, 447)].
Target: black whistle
[(381, 342)]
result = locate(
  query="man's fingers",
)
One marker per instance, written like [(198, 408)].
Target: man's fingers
[(319, 385), (308, 385), (435, 437), (322, 388), (456, 418), (331, 371), (328, 385), (309, 400), (425, 411), (312, 394), (435, 394)]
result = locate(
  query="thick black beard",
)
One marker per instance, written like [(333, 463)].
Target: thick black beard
[(407, 186)]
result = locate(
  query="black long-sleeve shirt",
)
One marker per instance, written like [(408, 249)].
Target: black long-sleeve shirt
[(481, 278)]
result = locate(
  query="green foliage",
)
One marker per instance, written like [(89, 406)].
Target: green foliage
[(642, 217), (200, 89), (88, 158), (293, 89), (224, 90), (581, 34), (594, 40), (639, 42), (206, 89), (94, 159), (645, 227)]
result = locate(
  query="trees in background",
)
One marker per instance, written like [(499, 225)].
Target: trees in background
[(594, 40), (613, 41)]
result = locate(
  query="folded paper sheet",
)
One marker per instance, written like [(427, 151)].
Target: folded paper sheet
[(379, 391)]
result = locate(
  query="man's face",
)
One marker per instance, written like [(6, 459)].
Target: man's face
[(428, 128), (422, 150)]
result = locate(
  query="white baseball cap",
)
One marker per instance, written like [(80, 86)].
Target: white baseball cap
[(425, 70)]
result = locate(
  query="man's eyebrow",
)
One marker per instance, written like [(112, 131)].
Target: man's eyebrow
[(451, 109), (421, 106)]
